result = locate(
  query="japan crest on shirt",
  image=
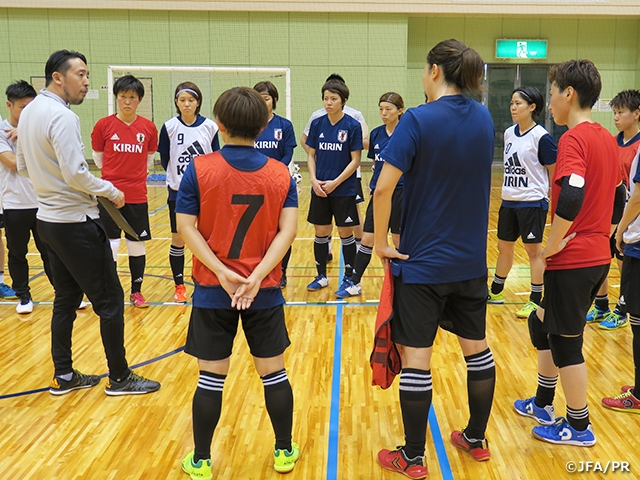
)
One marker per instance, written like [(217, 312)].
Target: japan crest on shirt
[(277, 134), (140, 137), (342, 136)]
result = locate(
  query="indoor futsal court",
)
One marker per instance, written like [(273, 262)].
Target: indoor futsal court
[(340, 420)]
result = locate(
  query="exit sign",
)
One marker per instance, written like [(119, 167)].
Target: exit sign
[(521, 49)]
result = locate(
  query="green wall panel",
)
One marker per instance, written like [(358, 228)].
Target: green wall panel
[(28, 35), (229, 38), (110, 38), (309, 39), (189, 34), (269, 39), (150, 37), (5, 52), (68, 30), (348, 37), (596, 41)]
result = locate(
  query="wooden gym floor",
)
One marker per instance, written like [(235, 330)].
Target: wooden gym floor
[(340, 420)]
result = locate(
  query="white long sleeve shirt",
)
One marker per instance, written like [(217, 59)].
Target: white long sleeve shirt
[(51, 154)]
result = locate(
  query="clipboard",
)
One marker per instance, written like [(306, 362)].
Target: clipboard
[(117, 217)]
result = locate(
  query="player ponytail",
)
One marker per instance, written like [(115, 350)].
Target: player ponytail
[(531, 95), (462, 66)]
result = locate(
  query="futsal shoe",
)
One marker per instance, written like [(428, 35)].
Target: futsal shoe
[(495, 298), (525, 311), (25, 305), (594, 314), (625, 402), (78, 381), (6, 291), (543, 415), (478, 449), (614, 320), (626, 388), (134, 384), (318, 283), (180, 296), (137, 300), (285, 460), (562, 433), (397, 461), (200, 470), (348, 289)]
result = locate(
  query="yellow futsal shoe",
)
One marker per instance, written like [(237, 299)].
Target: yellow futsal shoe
[(200, 470), (285, 460), (525, 311)]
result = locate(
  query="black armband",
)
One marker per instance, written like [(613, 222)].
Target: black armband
[(618, 204), (570, 198)]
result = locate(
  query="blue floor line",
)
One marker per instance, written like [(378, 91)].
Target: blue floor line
[(443, 460), (141, 364), (334, 415)]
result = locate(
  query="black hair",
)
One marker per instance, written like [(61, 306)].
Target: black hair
[(270, 88), (59, 62), (462, 66), (20, 89), (531, 95), (335, 76), (242, 111), (627, 98), (128, 83), (582, 76), (336, 86), (192, 89)]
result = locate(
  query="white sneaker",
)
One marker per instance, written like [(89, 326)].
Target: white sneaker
[(25, 305)]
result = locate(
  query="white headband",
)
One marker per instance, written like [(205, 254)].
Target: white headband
[(188, 90)]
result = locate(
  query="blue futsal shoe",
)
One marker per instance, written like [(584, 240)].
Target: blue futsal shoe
[(544, 415), (562, 433)]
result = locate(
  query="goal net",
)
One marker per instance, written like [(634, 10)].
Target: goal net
[(160, 83)]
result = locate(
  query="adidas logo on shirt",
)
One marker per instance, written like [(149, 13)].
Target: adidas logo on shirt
[(115, 137), (531, 236), (185, 157), (321, 135), (377, 146)]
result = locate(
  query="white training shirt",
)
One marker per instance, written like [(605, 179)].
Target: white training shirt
[(16, 191), (525, 177), (186, 142)]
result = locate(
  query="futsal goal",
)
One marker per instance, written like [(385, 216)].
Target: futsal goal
[(160, 83)]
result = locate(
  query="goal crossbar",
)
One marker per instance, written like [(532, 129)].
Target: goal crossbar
[(165, 68)]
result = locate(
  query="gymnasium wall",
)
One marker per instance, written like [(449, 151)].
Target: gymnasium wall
[(374, 52), (612, 44)]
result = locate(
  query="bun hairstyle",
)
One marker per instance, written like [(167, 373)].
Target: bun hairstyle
[(462, 66), (531, 95), (393, 98)]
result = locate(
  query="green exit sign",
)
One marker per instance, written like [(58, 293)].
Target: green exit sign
[(524, 49)]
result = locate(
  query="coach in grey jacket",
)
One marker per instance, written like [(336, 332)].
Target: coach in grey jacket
[(51, 154)]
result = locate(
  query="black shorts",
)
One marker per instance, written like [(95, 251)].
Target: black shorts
[(211, 332), (630, 284), (458, 307), (359, 191), (1, 220), (172, 216), (323, 209), (396, 213), (526, 222), (568, 295), (137, 214)]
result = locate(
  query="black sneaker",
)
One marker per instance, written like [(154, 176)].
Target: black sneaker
[(134, 384), (79, 380)]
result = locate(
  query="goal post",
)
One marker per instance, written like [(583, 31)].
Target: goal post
[(114, 70)]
